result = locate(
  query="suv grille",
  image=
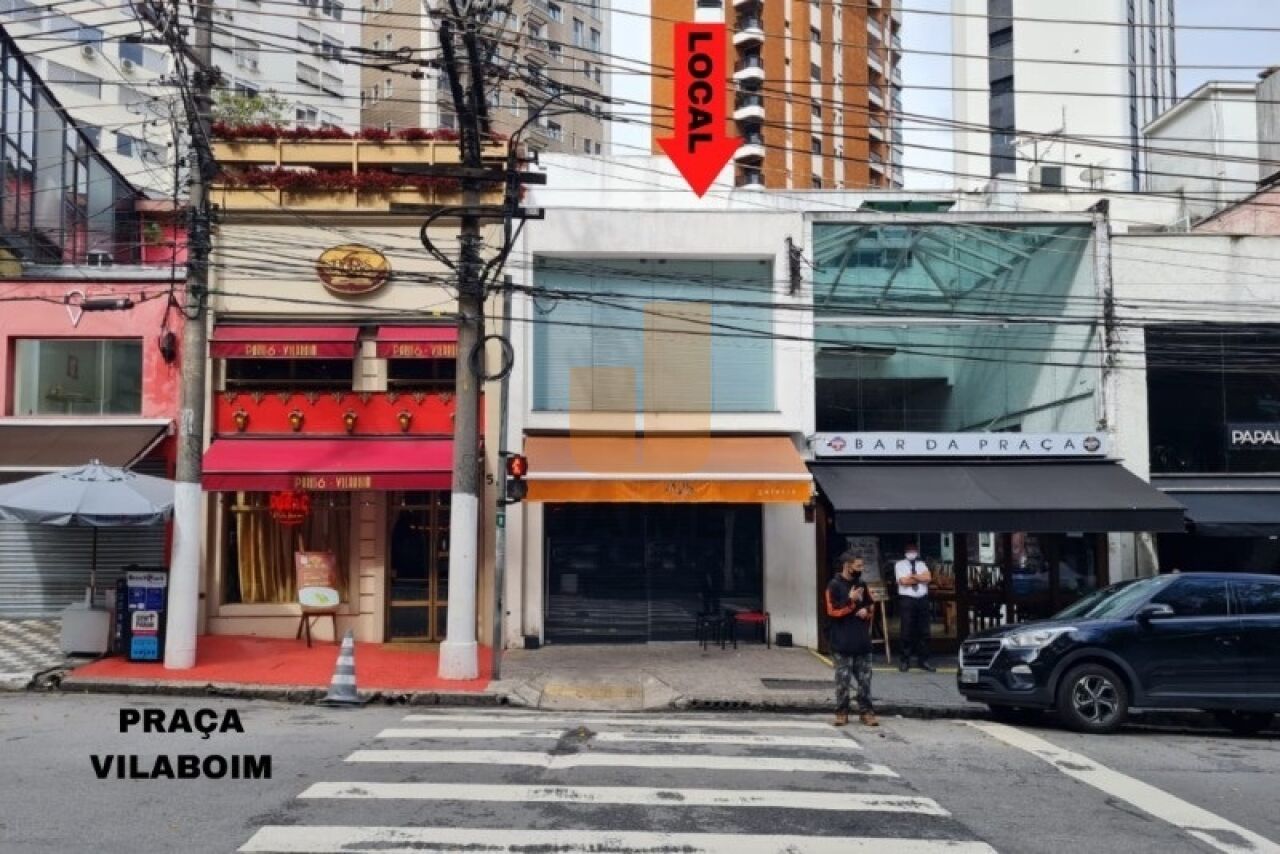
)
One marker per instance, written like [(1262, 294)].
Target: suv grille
[(979, 653)]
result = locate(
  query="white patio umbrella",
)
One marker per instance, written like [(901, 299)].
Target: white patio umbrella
[(93, 496)]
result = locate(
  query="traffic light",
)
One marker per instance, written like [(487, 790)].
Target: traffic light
[(517, 487)]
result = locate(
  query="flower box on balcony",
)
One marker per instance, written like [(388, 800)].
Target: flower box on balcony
[(303, 153), (246, 151)]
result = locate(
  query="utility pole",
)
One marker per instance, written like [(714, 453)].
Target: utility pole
[(197, 87), (461, 52)]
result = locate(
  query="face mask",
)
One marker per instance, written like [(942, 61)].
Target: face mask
[(912, 555)]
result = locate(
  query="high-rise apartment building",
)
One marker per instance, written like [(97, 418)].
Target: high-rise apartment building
[(816, 90), (546, 47), (1058, 99), (119, 90)]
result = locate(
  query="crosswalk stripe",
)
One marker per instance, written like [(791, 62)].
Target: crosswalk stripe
[(1211, 829), (677, 761), (641, 722), (629, 796), (744, 740), (414, 840)]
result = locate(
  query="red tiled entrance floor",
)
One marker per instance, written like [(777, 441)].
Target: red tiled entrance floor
[(232, 660)]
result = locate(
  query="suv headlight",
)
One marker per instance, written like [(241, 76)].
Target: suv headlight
[(1036, 638)]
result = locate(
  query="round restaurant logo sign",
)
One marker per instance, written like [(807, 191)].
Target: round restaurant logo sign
[(353, 270)]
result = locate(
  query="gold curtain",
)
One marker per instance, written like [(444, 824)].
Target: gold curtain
[(265, 549)]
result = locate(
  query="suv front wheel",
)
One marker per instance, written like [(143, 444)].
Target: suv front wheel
[(1093, 698)]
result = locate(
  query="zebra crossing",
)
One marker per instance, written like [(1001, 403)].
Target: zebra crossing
[(578, 782)]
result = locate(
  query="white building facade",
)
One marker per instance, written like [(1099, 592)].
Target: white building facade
[(693, 376), (1205, 149), (1059, 100)]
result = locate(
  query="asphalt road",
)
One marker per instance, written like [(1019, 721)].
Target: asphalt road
[(394, 779)]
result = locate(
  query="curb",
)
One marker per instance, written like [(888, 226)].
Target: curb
[(302, 695), (512, 698)]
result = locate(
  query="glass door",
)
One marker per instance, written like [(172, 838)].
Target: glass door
[(418, 566)]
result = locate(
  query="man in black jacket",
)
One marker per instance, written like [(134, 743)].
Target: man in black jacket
[(850, 607)]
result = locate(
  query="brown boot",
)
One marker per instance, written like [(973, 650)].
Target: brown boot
[(842, 719), (869, 718)]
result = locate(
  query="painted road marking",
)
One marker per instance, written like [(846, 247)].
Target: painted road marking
[(1211, 829), (744, 740), (678, 761), (629, 796), (625, 720), (414, 840)]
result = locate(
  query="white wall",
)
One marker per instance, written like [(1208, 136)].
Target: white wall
[(1206, 148)]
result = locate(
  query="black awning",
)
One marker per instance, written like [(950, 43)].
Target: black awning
[(1042, 497), (1227, 506)]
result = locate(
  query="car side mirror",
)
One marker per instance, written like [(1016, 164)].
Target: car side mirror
[(1154, 611)]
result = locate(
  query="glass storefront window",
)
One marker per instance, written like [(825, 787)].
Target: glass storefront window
[(64, 376), (266, 375), (935, 327), (259, 566), (1213, 399)]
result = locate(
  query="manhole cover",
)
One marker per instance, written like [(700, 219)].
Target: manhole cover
[(797, 684)]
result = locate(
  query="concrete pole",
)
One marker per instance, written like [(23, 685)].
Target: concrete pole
[(184, 573), (459, 652), (500, 536)]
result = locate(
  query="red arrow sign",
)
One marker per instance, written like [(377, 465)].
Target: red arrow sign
[(699, 148)]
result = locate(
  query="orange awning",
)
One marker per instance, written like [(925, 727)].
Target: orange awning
[(667, 469)]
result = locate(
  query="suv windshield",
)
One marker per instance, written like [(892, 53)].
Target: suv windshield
[(1113, 600)]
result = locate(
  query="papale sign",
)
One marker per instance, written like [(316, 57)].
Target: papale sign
[(699, 148), (353, 270)]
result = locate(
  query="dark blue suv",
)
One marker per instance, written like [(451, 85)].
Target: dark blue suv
[(1206, 641)]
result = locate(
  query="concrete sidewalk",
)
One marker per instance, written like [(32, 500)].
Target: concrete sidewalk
[(685, 676)]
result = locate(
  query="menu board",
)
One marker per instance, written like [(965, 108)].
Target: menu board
[(867, 548), (316, 576)]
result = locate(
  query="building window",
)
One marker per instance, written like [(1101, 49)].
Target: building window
[(387, 89), (259, 550), (817, 182), (595, 39), (579, 33), (555, 12), (815, 145), (815, 35), (268, 375), (311, 77), (421, 374), (333, 9), (817, 108), (78, 376), (586, 145), (305, 115), (597, 147), (90, 35)]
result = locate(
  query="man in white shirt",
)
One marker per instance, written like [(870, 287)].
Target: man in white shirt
[(913, 608)]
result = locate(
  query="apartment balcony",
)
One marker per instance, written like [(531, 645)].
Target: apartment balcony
[(746, 4), (875, 96), (896, 77), (749, 179), (748, 107), (749, 70), (876, 162), (748, 32), (752, 149), (896, 13), (354, 152), (875, 129), (873, 27), (873, 61)]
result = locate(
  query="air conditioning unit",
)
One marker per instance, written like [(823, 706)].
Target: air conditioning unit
[(88, 51), (127, 66), (1045, 177)]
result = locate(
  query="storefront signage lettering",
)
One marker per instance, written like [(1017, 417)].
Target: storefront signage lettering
[(353, 270), (959, 445), (443, 350), (1245, 437), (333, 482), (281, 351)]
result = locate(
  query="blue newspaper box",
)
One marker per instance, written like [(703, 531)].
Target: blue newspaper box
[(146, 591)]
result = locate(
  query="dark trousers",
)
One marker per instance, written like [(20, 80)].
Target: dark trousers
[(915, 628)]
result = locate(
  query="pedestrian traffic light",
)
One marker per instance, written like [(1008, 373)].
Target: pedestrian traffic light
[(517, 487)]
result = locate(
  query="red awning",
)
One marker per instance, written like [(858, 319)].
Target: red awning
[(284, 342), (417, 342), (327, 465)]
